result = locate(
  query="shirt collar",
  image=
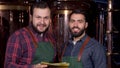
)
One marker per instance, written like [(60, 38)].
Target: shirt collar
[(82, 39)]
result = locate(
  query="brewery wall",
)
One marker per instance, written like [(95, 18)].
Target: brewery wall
[(14, 14)]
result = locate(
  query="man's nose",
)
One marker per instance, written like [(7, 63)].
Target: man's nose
[(75, 23), (42, 20)]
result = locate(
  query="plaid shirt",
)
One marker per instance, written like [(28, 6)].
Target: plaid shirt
[(21, 50)]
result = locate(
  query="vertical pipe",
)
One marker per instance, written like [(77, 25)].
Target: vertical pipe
[(101, 25), (66, 25), (109, 32), (11, 21)]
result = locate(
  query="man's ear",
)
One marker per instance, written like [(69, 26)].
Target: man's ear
[(50, 21), (30, 16), (86, 25)]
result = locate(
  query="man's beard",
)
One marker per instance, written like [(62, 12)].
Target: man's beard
[(77, 34), (36, 30)]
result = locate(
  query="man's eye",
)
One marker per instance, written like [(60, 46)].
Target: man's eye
[(71, 21), (81, 21), (38, 17), (46, 18)]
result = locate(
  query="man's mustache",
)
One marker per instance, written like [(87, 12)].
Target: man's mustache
[(41, 25), (75, 27)]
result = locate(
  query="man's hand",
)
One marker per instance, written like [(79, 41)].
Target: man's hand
[(40, 66)]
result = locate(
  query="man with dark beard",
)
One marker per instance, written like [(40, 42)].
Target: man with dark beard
[(81, 51), (31, 45)]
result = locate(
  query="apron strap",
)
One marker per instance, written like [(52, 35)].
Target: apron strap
[(60, 59), (83, 47), (35, 42), (33, 38)]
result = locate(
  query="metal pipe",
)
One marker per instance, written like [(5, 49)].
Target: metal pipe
[(109, 33)]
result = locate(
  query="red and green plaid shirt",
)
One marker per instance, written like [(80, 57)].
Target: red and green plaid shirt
[(20, 48)]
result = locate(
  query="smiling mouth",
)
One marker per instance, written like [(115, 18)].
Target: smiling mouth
[(75, 30)]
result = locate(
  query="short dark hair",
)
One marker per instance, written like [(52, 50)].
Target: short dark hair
[(79, 11), (40, 4)]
